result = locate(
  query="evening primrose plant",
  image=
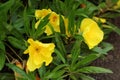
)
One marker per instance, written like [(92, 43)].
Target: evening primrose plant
[(54, 40)]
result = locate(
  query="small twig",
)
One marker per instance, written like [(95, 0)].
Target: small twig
[(15, 53), (7, 59), (10, 55)]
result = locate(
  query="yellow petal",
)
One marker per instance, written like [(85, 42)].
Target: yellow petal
[(38, 14), (37, 23), (26, 51), (42, 13), (54, 18), (92, 34), (48, 30), (30, 40), (46, 51), (31, 66), (85, 23)]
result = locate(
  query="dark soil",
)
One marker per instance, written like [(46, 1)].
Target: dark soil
[(112, 60)]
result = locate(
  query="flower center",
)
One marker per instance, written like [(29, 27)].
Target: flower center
[(54, 18), (37, 49)]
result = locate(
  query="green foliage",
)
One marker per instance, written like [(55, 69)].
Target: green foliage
[(71, 58), (6, 76), (92, 69), (2, 55), (16, 43)]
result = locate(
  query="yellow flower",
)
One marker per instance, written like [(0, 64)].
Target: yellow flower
[(38, 54), (42, 13), (102, 20), (54, 21), (92, 34)]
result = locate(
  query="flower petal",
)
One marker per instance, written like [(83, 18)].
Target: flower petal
[(92, 34), (26, 51), (31, 66)]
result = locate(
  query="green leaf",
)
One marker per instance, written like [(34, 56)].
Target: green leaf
[(42, 71), (60, 55), (71, 25), (73, 77), (31, 75), (60, 44), (106, 47), (18, 70), (93, 69), (87, 60), (56, 74), (2, 55), (114, 28), (18, 24), (6, 76), (2, 46), (62, 25), (59, 67), (85, 77), (2, 59), (6, 6), (26, 22), (16, 43), (102, 5), (43, 22), (75, 51)]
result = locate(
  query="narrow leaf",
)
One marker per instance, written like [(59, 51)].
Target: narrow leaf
[(2, 46), (60, 55), (114, 28), (87, 60), (85, 77), (16, 43), (26, 22), (42, 71), (75, 51), (2, 59), (93, 69), (59, 67), (6, 76), (2, 55), (62, 25), (60, 44)]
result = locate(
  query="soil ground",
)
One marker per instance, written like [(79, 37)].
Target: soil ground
[(112, 60)]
